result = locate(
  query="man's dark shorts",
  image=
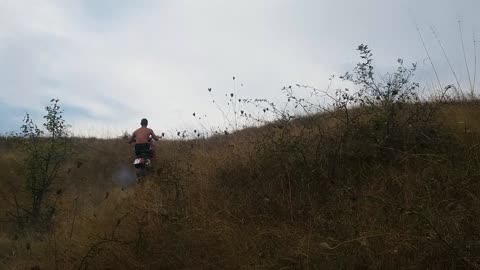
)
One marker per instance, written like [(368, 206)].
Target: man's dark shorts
[(143, 150)]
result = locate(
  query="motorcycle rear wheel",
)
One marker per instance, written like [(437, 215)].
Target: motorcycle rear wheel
[(140, 172)]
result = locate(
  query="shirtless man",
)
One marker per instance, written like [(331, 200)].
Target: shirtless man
[(142, 138)]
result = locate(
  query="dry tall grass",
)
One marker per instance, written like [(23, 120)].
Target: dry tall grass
[(313, 193)]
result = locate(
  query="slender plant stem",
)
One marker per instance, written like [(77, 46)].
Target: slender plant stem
[(475, 61), (446, 57), (428, 55), (465, 57)]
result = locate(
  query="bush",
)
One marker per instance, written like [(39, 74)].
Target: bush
[(45, 151)]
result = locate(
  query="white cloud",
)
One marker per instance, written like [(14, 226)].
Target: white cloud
[(118, 61)]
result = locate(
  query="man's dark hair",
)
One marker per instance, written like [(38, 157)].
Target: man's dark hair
[(144, 122)]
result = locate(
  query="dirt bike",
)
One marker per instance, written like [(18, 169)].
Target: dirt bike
[(143, 162), (142, 166)]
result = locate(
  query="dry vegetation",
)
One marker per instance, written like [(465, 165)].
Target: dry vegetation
[(291, 195), (381, 181)]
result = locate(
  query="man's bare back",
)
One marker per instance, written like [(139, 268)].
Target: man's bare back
[(142, 135)]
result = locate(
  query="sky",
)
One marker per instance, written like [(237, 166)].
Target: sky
[(113, 62)]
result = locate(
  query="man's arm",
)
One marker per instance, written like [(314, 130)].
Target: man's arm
[(132, 138), (155, 137)]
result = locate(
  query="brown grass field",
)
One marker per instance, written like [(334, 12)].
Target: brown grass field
[(313, 193)]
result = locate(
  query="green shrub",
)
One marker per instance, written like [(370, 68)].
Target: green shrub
[(46, 150)]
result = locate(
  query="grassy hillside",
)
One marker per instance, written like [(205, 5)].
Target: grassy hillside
[(313, 193)]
